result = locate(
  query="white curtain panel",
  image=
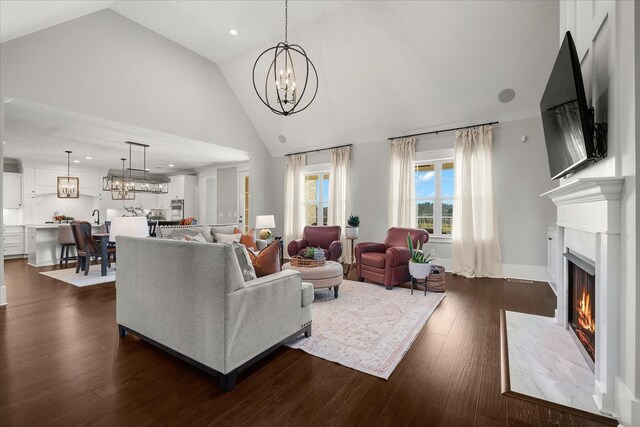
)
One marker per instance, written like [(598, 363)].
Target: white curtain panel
[(294, 197), (402, 190), (475, 243), (340, 195)]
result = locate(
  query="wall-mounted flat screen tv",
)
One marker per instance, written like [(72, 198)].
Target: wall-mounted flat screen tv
[(566, 117)]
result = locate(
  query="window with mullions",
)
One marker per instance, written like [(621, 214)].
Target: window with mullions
[(316, 198), (434, 196)]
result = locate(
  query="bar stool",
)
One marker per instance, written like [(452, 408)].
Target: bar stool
[(65, 239)]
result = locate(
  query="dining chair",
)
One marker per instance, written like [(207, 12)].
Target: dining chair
[(87, 246)]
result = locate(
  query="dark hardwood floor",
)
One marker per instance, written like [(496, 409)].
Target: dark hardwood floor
[(62, 363)]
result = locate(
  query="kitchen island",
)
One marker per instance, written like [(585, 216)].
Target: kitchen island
[(42, 244)]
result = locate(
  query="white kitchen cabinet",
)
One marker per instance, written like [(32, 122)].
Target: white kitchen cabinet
[(164, 200), (13, 240), (183, 187), (12, 190), (45, 181), (176, 188)]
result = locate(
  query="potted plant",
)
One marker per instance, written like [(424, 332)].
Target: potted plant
[(351, 232), (419, 263)]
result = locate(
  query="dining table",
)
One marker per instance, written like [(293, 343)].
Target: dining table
[(104, 256)]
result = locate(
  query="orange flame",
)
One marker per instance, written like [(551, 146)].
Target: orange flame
[(585, 318)]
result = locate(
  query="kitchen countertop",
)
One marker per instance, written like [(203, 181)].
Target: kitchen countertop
[(52, 225)]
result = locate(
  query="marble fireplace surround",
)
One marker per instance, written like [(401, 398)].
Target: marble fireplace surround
[(589, 226)]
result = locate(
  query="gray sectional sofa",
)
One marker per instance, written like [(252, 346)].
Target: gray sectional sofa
[(191, 300)]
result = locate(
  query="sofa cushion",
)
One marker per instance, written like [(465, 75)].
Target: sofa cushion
[(374, 259), (228, 238), (246, 266), (179, 233), (223, 229), (267, 261), (307, 293)]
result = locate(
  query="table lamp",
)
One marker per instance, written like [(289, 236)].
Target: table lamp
[(133, 226), (264, 223)]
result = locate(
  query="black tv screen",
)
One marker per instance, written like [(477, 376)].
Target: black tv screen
[(566, 119)]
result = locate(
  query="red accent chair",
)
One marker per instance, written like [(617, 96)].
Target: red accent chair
[(388, 262), (326, 237)]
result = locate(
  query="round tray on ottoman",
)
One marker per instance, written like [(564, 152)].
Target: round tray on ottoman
[(328, 275)]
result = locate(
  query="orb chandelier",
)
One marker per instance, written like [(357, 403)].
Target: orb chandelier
[(287, 89)]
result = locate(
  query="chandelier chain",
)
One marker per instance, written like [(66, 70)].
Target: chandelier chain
[(286, 19)]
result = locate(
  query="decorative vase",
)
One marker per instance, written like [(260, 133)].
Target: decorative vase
[(351, 232), (318, 254), (419, 270)]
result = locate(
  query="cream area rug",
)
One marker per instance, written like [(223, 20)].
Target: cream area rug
[(367, 327), (68, 275)]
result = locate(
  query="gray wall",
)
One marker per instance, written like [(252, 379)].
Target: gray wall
[(108, 66), (521, 175), (227, 195)]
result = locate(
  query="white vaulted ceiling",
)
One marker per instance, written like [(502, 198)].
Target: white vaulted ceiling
[(385, 67)]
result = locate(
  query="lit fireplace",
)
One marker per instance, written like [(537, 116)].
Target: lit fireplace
[(582, 303)]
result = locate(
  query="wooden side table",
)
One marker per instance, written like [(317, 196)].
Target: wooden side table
[(353, 258)]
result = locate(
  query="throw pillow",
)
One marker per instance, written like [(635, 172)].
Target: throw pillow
[(267, 261), (248, 272), (228, 238), (246, 239)]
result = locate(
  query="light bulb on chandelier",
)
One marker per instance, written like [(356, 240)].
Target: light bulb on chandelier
[(285, 93)]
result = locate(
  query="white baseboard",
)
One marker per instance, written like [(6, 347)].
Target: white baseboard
[(514, 271), (627, 406)]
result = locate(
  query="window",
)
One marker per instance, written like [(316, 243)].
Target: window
[(316, 197), (434, 196)]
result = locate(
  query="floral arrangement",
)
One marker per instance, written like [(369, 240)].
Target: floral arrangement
[(62, 218)]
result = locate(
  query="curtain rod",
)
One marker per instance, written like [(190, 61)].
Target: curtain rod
[(442, 130), (318, 150)]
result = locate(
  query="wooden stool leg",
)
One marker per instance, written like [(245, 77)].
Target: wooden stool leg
[(61, 254)]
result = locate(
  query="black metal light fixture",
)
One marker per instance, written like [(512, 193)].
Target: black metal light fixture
[(135, 180), (121, 187), (284, 89)]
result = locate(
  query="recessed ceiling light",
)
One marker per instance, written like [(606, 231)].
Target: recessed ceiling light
[(89, 158), (170, 166), (4, 142), (76, 161), (282, 139), (233, 32)]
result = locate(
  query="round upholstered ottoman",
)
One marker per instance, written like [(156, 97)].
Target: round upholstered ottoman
[(328, 275)]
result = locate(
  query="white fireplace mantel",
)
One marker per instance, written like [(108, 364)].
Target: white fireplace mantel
[(586, 204), (589, 224)]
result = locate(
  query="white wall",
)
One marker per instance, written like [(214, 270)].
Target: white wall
[(108, 66), (521, 175), (606, 36)]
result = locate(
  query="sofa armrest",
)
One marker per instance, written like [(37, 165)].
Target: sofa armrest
[(397, 255), (261, 244), (296, 246), (262, 314), (370, 247)]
